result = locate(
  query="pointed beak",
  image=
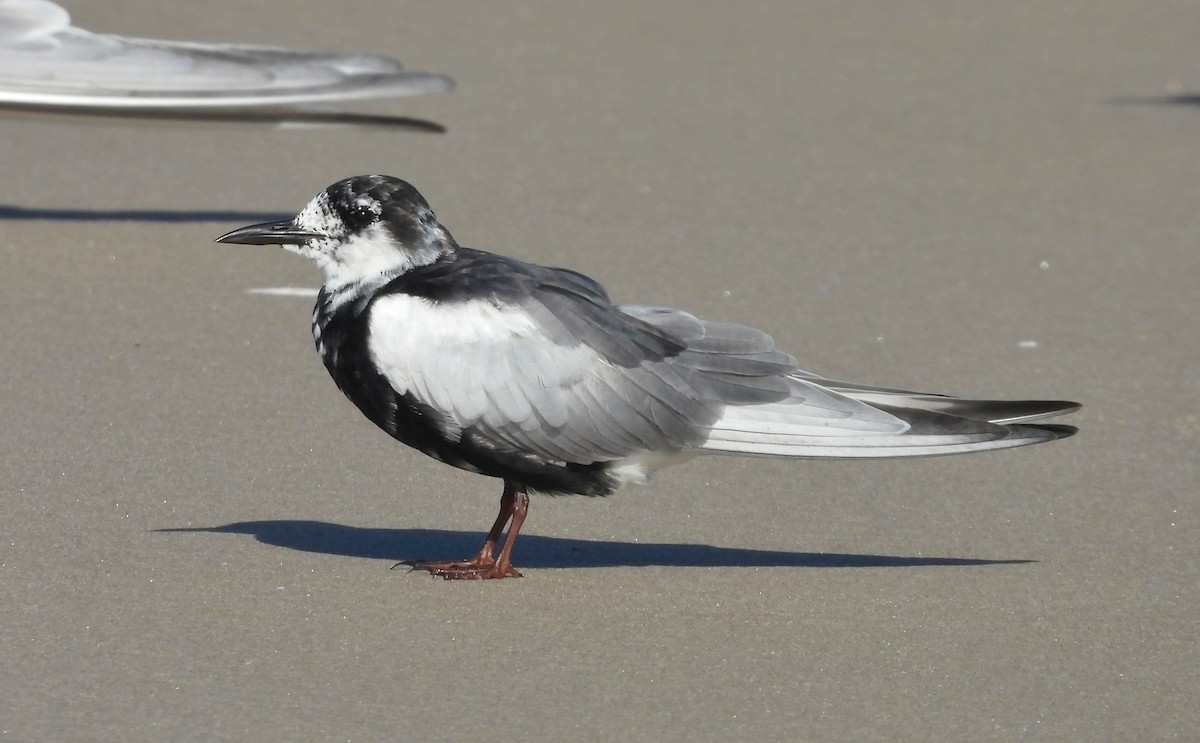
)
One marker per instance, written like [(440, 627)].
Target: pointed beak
[(269, 233)]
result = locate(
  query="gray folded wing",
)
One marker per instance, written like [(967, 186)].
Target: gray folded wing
[(565, 378), (44, 61), (557, 372)]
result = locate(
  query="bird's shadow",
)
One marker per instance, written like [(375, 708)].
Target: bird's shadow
[(1177, 99), (12, 212), (401, 545)]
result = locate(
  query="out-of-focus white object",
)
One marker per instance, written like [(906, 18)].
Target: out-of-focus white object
[(47, 62)]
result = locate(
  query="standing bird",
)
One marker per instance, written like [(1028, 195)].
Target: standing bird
[(532, 375)]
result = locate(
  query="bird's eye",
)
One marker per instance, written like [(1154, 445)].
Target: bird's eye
[(361, 213)]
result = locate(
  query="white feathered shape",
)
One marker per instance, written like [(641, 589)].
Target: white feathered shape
[(47, 62)]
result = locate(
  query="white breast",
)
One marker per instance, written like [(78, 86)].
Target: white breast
[(442, 353)]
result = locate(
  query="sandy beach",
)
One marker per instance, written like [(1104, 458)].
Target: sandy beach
[(984, 199)]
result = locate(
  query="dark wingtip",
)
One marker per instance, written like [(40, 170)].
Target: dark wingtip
[(1037, 433), (1012, 412), (1060, 432), (1065, 406)]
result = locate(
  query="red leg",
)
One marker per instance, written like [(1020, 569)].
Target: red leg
[(519, 509), (514, 505)]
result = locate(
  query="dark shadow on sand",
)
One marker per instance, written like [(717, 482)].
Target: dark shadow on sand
[(533, 551), (298, 118), (1180, 99), (8, 211)]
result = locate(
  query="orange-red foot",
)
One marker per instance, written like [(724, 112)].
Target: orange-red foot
[(464, 570)]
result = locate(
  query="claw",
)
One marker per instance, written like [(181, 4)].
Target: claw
[(514, 504), (467, 571)]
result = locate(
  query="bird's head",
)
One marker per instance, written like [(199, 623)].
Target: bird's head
[(359, 229)]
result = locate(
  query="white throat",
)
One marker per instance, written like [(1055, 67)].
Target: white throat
[(369, 257), (372, 254)]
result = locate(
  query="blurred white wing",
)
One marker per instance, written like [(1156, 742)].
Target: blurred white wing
[(45, 61)]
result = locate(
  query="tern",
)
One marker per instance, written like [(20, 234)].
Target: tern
[(534, 376)]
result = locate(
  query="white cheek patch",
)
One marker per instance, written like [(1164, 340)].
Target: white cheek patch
[(317, 216), (364, 257), (370, 255)]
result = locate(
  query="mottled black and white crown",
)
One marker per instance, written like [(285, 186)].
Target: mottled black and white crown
[(360, 229)]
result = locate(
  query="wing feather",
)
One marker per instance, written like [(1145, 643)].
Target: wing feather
[(560, 375)]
